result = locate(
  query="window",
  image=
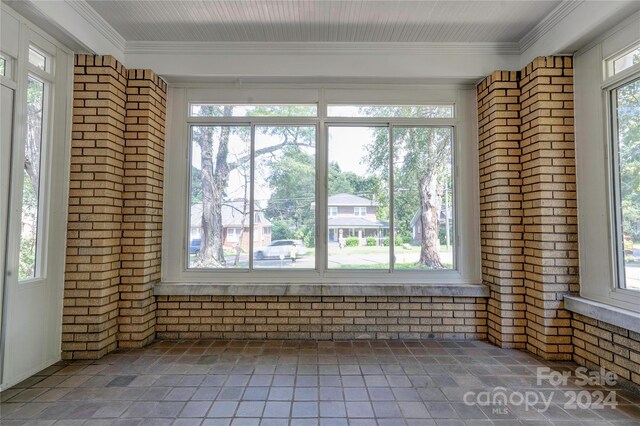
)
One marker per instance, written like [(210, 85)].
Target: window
[(360, 211), (38, 59), (625, 61), (266, 110), (31, 201), (320, 197), (233, 235), (625, 110), (237, 170), (391, 111), (3, 66)]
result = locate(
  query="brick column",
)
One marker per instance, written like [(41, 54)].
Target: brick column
[(142, 211), (501, 207), (549, 203), (95, 208), (115, 208), (528, 205)]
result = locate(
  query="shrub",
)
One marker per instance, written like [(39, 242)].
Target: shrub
[(386, 241), (352, 242), (371, 241), (310, 239), (398, 241)]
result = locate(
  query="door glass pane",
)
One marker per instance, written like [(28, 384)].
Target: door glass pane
[(219, 197), (31, 179), (423, 197), (284, 195), (267, 110), (358, 176), (3, 66), (627, 112)]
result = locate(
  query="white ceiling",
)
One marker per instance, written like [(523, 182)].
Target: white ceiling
[(399, 21)]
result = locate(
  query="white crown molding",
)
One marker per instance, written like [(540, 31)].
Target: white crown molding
[(547, 23), (98, 22), (315, 48)]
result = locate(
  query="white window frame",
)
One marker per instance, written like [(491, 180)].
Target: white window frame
[(595, 165), (357, 211), (332, 211), (48, 79), (618, 290), (467, 247)]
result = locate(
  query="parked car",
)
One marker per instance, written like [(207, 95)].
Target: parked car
[(279, 248), (194, 246)]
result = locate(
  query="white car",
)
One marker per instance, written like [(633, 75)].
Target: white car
[(282, 248)]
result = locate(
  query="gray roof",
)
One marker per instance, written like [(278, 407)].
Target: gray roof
[(231, 215), (350, 200), (355, 222)]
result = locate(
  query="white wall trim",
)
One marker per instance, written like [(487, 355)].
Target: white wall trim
[(547, 23), (324, 48), (98, 22)]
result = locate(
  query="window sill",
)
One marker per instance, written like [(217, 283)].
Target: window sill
[(313, 289), (623, 318)]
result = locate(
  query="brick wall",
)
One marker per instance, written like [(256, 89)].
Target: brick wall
[(598, 344), (548, 203), (501, 207), (528, 205), (142, 206), (115, 198), (92, 278), (320, 317)]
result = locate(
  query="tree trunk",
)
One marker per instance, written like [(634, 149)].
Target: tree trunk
[(430, 204), (214, 179)]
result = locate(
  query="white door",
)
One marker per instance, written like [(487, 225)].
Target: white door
[(6, 131), (36, 223)]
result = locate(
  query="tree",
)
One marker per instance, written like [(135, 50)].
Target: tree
[(628, 123), (421, 159)]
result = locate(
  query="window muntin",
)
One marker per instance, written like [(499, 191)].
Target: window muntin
[(390, 111), (255, 110), (625, 102), (31, 205)]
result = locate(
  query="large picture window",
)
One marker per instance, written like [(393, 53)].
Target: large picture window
[(388, 202), (625, 113), (318, 189)]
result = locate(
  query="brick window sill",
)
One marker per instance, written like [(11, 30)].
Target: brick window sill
[(320, 289), (623, 318)]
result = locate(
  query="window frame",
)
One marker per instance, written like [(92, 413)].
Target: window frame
[(179, 121), (617, 290), (47, 78), (595, 172)]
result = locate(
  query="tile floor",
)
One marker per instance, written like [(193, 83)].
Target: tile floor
[(310, 383)]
